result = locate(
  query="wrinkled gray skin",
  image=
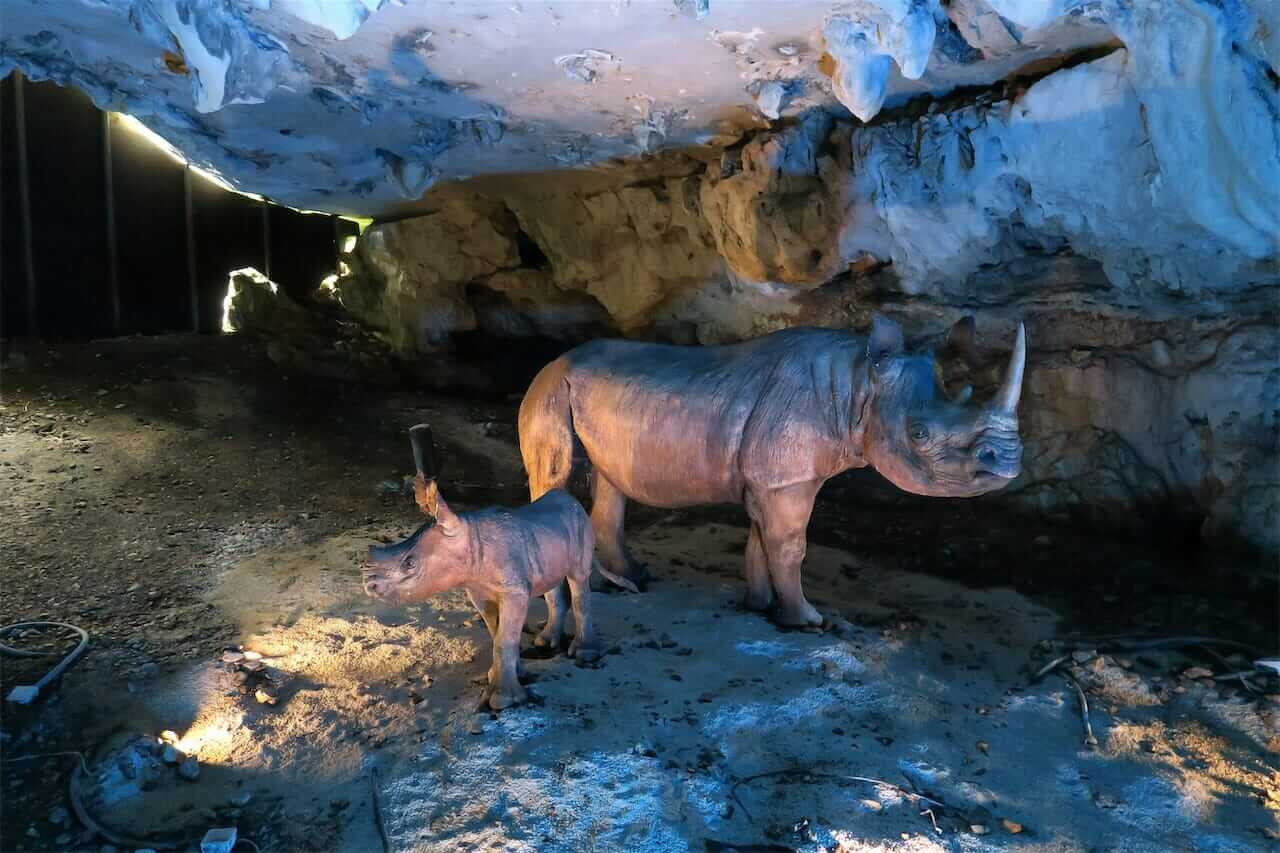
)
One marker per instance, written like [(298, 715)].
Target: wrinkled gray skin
[(763, 424), (502, 557)]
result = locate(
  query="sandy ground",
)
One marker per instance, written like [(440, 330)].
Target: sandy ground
[(180, 498)]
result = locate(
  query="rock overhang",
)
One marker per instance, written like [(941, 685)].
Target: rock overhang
[(359, 106)]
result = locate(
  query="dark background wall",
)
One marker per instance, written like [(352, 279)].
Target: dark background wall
[(102, 233)]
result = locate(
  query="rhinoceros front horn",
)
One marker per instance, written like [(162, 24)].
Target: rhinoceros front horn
[(1006, 401)]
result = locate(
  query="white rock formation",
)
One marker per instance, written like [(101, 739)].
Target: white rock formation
[(866, 36)]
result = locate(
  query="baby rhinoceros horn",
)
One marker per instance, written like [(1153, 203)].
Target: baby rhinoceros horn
[(1006, 400)]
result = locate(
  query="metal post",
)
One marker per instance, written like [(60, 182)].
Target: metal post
[(266, 238), (24, 195), (193, 286), (337, 242), (113, 258)]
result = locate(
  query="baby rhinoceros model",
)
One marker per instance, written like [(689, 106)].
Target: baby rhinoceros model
[(502, 558)]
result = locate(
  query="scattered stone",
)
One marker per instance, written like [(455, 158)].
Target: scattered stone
[(171, 755), (477, 725), (984, 747), (189, 769), (232, 657), (978, 829), (1197, 672), (1012, 826), (241, 799), (1105, 801), (265, 696), (218, 840)]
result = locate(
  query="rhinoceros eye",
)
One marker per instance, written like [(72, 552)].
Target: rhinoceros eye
[(918, 432), (409, 565)]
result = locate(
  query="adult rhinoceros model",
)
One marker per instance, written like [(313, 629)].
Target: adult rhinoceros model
[(763, 423)]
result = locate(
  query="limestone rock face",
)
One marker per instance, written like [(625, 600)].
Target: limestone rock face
[(1147, 272), (775, 207)]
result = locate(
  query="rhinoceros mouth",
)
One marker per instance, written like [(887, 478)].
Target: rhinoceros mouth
[(381, 587)]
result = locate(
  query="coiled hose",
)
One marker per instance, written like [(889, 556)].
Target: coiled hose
[(24, 694)]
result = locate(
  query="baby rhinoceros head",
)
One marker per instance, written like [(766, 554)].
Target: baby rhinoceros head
[(435, 557)]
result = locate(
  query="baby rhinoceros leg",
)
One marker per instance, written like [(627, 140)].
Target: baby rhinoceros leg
[(488, 610), (552, 634), (506, 690), (586, 645)]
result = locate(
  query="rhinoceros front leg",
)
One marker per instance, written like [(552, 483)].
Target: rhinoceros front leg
[(488, 610), (608, 516), (506, 691), (783, 518)]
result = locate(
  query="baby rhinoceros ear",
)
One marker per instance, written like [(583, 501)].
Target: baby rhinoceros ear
[(450, 524)]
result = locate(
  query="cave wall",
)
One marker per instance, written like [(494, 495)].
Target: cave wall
[(1137, 240)]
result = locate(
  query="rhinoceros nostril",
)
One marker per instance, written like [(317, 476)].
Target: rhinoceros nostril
[(987, 457)]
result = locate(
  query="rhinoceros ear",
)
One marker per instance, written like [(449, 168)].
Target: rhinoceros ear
[(962, 339), (449, 522), (884, 341)]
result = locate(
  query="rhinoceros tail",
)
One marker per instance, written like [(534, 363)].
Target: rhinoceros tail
[(546, 430), (617, 580)]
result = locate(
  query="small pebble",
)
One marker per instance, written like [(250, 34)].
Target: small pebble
[(1012, 826), (477, 725), (171, 754), (977, 829), (241, 799)]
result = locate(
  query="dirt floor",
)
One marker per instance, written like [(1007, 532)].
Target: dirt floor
[(202, 515)]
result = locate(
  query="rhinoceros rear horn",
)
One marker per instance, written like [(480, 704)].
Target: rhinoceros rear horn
[(1006, 401)]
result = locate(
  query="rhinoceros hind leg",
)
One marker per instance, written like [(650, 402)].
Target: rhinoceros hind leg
[(608, 515), (552, 634), (783, 517)]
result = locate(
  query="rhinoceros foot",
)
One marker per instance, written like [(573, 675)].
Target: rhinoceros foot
[(803, 616), (507, 695), (585, 653)]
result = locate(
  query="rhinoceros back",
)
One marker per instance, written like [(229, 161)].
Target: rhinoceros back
[(666, 424)]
